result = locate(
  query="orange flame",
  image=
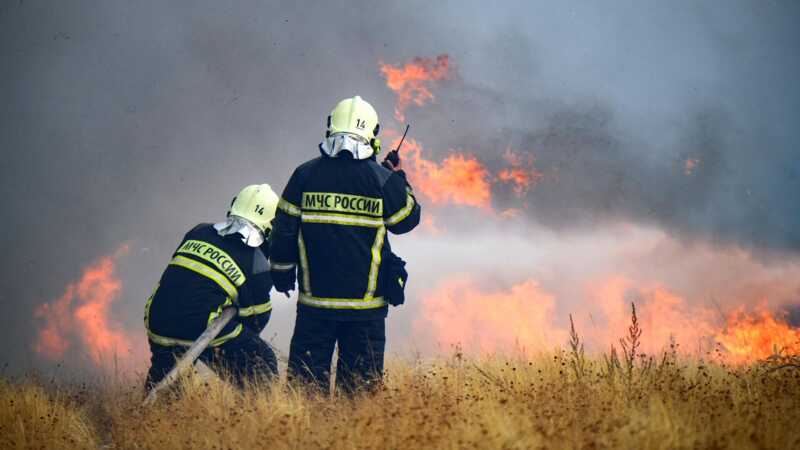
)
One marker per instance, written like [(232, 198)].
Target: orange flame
[(411, 81), (749, 337), (522, 175), (524, 316), (84, 312), (459, 179), (458, 312), (663, 314)]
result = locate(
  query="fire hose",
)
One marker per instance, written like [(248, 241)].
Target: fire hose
[(191, 355)]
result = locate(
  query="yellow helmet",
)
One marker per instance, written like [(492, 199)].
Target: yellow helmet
[(256, 203), (354, 116)]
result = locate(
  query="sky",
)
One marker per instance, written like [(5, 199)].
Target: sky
[(666, 131)]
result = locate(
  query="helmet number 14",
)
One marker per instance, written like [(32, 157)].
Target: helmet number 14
[(260, 210)]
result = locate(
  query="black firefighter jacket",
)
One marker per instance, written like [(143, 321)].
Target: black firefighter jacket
[(331, 227), (207, 273)]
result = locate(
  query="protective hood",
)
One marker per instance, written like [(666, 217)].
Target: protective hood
[(336, 143), (250, 234)]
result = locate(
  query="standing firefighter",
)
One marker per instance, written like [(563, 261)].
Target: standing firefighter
[(216, 266), (330, 232)]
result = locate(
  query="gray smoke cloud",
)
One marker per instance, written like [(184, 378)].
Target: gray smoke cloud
[(132, 121)]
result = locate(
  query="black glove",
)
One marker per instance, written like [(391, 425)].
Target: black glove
[(284, 280), (392, 160), (394, 279)]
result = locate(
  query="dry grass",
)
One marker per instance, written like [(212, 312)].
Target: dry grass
[(453, 403), (560, 400), (31, 417)]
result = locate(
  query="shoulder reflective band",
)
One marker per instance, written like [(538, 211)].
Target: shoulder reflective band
[(221, 260), (255, 309), (304, 263), (281, 266), (403, 213), (343, 203), (172, 342), (208, 272), (376, 263), (341, 219), (288, 208), (341, 303)]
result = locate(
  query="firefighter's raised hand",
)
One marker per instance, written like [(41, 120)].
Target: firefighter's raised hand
[(392, 161)]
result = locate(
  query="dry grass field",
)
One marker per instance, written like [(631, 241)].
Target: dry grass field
[(564, 399)]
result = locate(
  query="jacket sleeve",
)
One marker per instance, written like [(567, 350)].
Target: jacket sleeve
[(255, 307), (401, 212), (285, 228), (254, 301)]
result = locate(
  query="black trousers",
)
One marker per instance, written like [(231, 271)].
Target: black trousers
[(244, 357), (361, 348)]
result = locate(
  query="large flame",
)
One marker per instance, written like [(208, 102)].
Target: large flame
[(663, 314), (82, 318), (460, 179), (527, 316), (756, 335), (411, 81), (459, 312)]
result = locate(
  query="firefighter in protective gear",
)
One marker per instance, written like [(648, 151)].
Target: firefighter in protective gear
[(216, 266), (330, 235)]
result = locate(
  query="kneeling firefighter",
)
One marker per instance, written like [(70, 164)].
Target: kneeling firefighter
[(330, 232), (216, 266)]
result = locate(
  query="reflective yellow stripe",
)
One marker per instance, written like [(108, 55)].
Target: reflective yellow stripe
[(304, 263), (223, 339), (167, 341), (208, 272), (281, 266), (147, 306), (288, 208), (343, 203), (216, 313), (222, 261), (403, 213), (172, 342), (255, 309), (341, 303), (376, 262), (341, 219)]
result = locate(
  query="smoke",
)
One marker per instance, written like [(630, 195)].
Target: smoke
[(133, 121)]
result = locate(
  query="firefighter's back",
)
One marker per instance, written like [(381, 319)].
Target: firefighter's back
[(205, 272), (342, 233)]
